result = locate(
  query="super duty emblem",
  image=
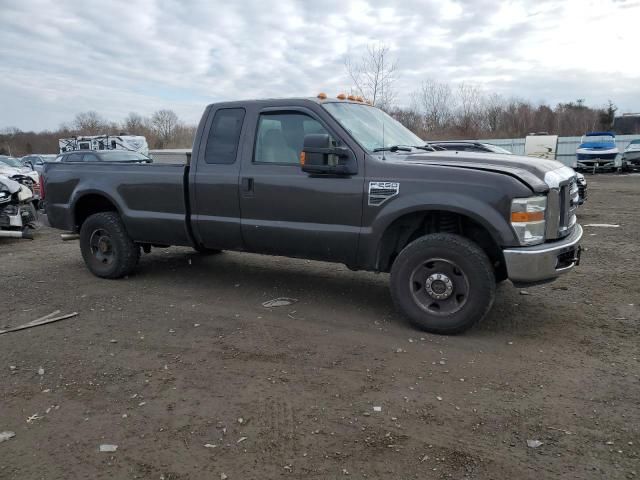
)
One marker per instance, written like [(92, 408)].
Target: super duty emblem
[(380, 192)]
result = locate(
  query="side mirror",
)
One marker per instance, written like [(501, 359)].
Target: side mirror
[(30, 165), (320, 156)]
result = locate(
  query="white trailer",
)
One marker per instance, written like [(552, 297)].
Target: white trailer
[(131, 143), (541, 146)]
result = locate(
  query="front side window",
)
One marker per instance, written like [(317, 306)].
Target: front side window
[(224, 135), (74, 157), (280, 136)]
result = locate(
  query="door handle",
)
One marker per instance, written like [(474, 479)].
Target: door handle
[(247, 185)]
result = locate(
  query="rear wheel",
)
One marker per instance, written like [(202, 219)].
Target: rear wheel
[(443, 283), (107, 249)]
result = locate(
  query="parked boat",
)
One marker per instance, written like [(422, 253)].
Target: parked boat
[(597, 151), (631, 156)]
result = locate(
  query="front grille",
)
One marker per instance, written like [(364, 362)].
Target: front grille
[(562, 201)]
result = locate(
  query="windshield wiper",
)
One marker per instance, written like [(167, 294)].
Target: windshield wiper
[(428, 148), (394, 148)]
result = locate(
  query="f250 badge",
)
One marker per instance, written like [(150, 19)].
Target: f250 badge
[(380, 192)]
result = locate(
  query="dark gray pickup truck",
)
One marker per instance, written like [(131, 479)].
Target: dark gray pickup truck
[(334, 180)]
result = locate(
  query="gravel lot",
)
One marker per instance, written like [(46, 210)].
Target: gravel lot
[(185, 371)]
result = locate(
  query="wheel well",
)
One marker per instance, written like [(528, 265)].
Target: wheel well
[(90, 204), (407, 228)]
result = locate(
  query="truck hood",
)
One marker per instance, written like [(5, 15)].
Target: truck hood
[(532, 171)]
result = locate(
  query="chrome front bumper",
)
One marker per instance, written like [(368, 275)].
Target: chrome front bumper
[(545, 262)]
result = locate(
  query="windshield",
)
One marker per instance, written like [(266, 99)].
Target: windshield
[(12, 162), (634, 145), (123, 156), (365, 123), (598, 139)]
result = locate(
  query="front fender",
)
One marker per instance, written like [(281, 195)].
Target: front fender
[(492, 217)]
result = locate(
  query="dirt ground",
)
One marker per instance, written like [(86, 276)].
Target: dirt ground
[(185, 371)]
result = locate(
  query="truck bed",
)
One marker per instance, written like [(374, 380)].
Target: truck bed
[(149, 197)]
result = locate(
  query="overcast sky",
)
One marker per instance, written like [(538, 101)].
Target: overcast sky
[(61, 57)]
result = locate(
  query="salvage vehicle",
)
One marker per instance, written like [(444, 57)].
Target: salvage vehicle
[(17, 213), (582, 188), (335, 180), (13, 169)]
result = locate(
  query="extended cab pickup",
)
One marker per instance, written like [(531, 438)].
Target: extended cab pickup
[(339, 181)]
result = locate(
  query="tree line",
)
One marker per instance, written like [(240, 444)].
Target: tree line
[(435, 111), (440, 110)]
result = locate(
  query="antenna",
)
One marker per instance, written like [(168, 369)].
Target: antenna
[(383, 144)]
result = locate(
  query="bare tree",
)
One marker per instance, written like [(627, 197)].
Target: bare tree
[(436, 102), (10, 134), (374, 75), (411, 118), (164, 123), (469, 111), (135, 124), (89, 123), (493, 109)]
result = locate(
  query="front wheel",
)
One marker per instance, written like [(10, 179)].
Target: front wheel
[(443, 283), (107, 249)]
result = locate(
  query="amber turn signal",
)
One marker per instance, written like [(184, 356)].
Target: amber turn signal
[(302, 158), (523, 217)]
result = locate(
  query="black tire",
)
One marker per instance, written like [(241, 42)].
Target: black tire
[(466, 285), (106, 248)]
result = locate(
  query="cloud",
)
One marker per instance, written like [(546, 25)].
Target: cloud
[(62, 57)]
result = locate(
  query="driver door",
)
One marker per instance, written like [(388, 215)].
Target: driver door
[(285, 211)]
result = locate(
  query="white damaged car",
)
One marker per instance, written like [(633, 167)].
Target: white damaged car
[(18, 216)]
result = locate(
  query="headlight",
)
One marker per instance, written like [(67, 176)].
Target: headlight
[(527, 219), (5, 196)]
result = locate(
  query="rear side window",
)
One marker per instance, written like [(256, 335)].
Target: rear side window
[(222, 143), (74, 157)]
